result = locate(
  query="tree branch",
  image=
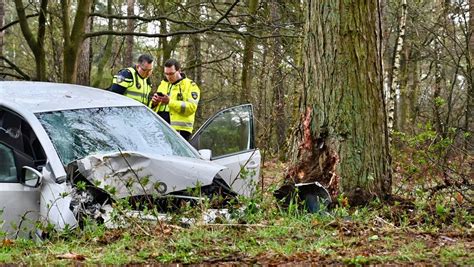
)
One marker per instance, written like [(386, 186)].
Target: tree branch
[(17, 69), (16, 22), (32, 43), (209, 62), (182, 32)]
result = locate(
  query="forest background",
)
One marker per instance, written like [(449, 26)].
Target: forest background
[(373, 100)]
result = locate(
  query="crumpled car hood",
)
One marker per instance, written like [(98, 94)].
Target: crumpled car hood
[(133, 173)]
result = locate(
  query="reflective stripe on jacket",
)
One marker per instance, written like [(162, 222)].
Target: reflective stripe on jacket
[(137, 87), (184, 98)]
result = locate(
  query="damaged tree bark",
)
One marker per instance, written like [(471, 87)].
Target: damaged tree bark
[(341, 140)]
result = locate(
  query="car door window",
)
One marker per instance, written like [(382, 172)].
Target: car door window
[(230, 131), (17, 134), (8, 172)]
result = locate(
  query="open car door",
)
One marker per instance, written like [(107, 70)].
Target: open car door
[(230, 135)]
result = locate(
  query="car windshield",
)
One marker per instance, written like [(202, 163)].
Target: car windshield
[(82, 132)]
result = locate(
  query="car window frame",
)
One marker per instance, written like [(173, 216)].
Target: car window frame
[(17, 178), (252, 147)]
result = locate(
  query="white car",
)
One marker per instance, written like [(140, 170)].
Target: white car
[(54, 136)]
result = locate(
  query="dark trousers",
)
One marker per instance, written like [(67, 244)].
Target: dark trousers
[(185, 134)]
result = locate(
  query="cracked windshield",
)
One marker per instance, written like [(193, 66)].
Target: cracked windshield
[(79, 133)]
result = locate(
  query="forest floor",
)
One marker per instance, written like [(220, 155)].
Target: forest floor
[(399, 232)]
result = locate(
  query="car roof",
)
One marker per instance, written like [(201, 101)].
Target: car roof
[(44, 96)]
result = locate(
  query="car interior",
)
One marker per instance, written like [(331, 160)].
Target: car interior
[(19, 147)]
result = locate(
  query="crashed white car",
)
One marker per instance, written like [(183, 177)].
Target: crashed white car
[(56, 136)]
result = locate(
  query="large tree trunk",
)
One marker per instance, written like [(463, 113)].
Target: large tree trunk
[(342, 137), (73, 37), (128, 61), (247, 62)]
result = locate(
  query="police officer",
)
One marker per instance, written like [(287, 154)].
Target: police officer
[(134, 82), (177, 99)]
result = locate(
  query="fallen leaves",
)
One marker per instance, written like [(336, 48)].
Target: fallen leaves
[(71, 256), (7, 242), (459, 198)]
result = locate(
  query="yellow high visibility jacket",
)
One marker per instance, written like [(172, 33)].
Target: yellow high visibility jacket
[(138, 88), (184, 98)]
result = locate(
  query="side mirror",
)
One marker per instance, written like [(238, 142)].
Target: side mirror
[(205, 154), (32, 177)]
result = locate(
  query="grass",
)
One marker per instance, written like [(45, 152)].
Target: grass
[(291, 238), (426, 232)]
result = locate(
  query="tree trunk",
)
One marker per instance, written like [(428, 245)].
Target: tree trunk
[(84, 65), (342, 137), (395, 86), (277, 81), (107, 52), (469, 117), (403, 82), (36, 44), (129, 39), (437, 91), (247, 62), (413, 94), (167, 47), (2, 19), (73, 37), (193, 57), (261, 105)]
